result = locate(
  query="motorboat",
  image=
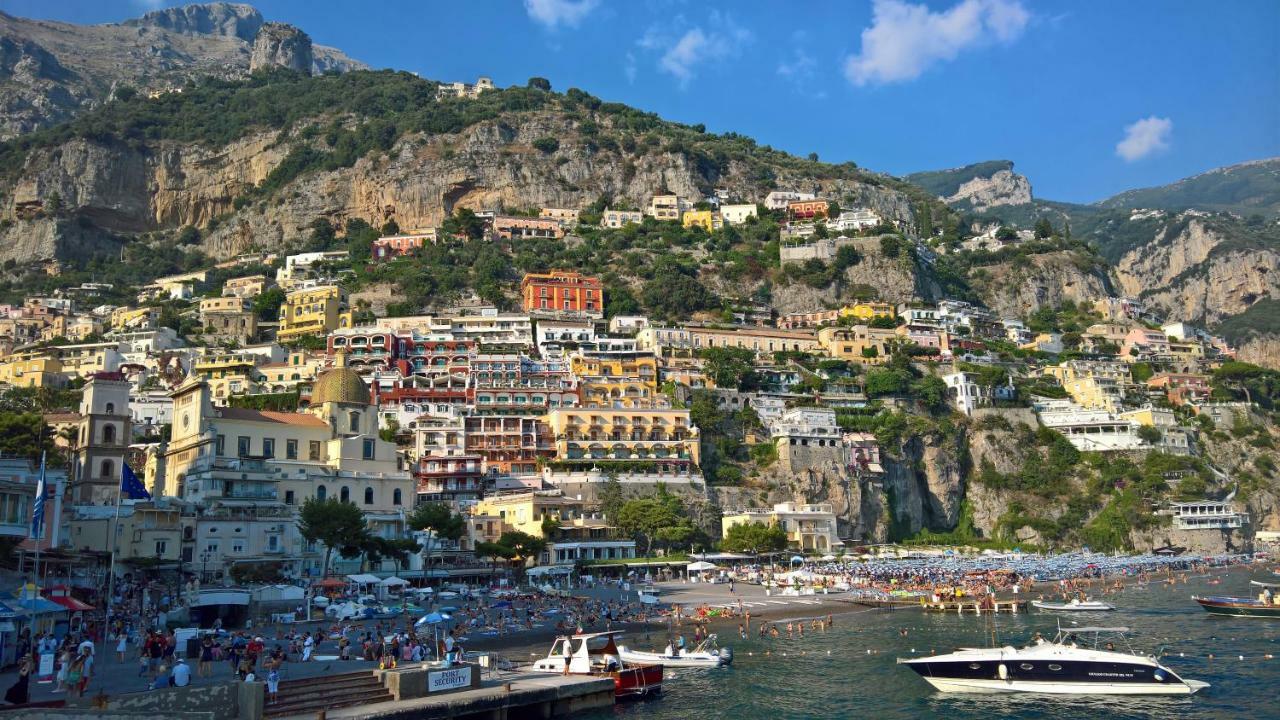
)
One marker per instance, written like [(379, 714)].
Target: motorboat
[(1076, 605), (706, 654), (1070, 664), (1266, 605), (597, 654)]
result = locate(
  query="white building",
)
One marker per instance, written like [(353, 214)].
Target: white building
[(554, 336), (1206, 515), (964, 393), (627, 324), (778, 199), (737, 214), (808, 526), (854, 221), (619, 218)]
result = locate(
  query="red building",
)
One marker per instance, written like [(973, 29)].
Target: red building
[(386, 248), (808, 209), (562, 291)]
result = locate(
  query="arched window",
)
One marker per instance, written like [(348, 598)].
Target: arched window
[(108, 434), (368, 496), (111, 408), (321, 492), (108, 469), (354, 418), (345, 495), (396, 497)]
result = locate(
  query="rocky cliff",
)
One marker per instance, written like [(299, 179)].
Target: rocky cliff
[(1023, 285), (281, 45), (978, 187), (1202, 270), (421, 178), (51, 71)]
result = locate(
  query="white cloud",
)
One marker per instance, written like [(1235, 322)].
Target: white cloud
[(681, 55), (904, 40), (629, 68), (149, 5), (553, 13), (1145, 137)]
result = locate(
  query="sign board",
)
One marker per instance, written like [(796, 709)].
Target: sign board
[(451, 679), (45, 670)]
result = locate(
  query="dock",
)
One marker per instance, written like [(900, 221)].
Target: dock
[(508, 696)]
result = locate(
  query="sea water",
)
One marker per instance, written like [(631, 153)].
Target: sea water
[(849, 670)]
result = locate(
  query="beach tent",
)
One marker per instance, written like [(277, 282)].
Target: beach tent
[(394, 581), (700, 566), (548, 570), (364, 579), (828, 558)]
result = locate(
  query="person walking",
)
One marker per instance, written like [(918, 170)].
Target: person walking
[(20, 692)]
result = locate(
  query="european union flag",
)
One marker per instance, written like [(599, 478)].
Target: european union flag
[(130, 486), (37, 512)]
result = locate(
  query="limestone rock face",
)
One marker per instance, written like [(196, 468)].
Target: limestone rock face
[(1014, 289), (1261, 349), (1195, 272), (281, 45), (1005, 187), (222, 19)]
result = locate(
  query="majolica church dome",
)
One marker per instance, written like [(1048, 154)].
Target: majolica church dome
[(340, 385)]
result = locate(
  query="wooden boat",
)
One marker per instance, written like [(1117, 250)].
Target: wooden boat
[(1266, 605), (597, 654)]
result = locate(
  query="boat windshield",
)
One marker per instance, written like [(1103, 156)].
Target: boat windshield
[(1111, 639)]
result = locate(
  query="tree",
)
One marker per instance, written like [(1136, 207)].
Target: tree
[(1043, 228), (611, 497), (539, 83), (25, 435), (813, 157), (730, 367), (267, 305), (1006, 233), (464, 223), (337, 524), (520, 546), (322, 235), (655, 518), (546, 145), (754, 537), (887, 381), (439, 520), (931, 390), (1149, 434)]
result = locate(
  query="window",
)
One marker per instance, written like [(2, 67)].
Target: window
[(108, 469), (111, 408), (269, 447), (242, 446), (221, 444), (368, 496), (273, 543), (288, 497), (396, 497), (291, 449), (353, 421), (345, 495), (320, 493), (161, 547), (368, 449), (237, 546), (313, 452)]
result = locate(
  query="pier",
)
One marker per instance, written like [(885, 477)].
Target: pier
[(976, 606)]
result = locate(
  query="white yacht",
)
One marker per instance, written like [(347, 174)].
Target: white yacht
[(1076, 605), (1077, 661)]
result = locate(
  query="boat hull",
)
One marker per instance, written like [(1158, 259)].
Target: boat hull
[(1068, 607), (1238, 607), (638, 681), (685, 661), (968, 685)]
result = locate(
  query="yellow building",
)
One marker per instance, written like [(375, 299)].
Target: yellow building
[(1095, 393), (299, 367), (314, 311), (662, 435), (708, 220), (1078, 369), (639, 366), (126, 318), (227, 374), (627, 392), (808, 527), (861, 344), (525, 512), (868, 310), (146, 533), (32, 370)]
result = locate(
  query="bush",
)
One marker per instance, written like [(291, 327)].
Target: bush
[(546, 145)]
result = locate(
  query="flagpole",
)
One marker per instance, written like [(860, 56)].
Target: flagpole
[(38, 529), (115, 528)]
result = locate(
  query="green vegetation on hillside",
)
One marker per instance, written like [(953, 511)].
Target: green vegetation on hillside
[(1243, 189), (945, 183)]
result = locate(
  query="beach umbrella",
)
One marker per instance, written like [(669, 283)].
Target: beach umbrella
[(828, 558), (797, 558)]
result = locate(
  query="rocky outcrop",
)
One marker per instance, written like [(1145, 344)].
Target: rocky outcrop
[(222, 19), (1263, 349), (51, 71), (1192, 270), (894, 279), (281, 45), (1002, 188), (1020, 286)]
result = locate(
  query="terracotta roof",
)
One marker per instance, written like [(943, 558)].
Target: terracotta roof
[(272, 416), (61, 417)]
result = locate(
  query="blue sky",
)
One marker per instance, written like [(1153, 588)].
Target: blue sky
[(1087, 98)]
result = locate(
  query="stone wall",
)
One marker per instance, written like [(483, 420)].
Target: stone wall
[(224, 701)]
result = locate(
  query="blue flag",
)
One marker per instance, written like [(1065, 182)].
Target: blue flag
[(37, 512), (131, 486)]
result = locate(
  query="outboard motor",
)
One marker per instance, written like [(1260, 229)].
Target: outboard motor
[(726, 655)]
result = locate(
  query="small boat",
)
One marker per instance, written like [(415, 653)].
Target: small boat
[(1266, 605), (1076, 605), (705, 654), (597, 654), (1070, 664)]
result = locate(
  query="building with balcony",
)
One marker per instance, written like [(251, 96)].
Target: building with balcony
[(779, 199), (464, 90), (619, 218), (761, 340), (314, 312), (859, 343), (562, 291), (249, 286), (664, 437), (229, 318), (738, 214), (807, 209), (666, 208), (149, 533), (506, 227), (509, 444), (390, 247), (708, 220), (567, 217), (855, 221), (808, 526), (1206, 515)]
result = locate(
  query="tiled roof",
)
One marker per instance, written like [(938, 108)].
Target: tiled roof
[(272, 416)]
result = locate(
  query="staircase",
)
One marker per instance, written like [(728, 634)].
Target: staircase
[(305, 696)]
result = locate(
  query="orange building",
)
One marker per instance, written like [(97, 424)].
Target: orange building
[(562, 291), (807, 209)]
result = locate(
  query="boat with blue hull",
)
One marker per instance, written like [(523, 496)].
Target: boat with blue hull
[(1266, 605)]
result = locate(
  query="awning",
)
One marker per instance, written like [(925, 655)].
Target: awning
[(71, 603), (364, 579), (328, 582), (394, 581)]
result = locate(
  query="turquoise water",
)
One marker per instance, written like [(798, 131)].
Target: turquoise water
[(831, 675)]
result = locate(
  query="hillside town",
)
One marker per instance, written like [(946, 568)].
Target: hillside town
[(523, 419)]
